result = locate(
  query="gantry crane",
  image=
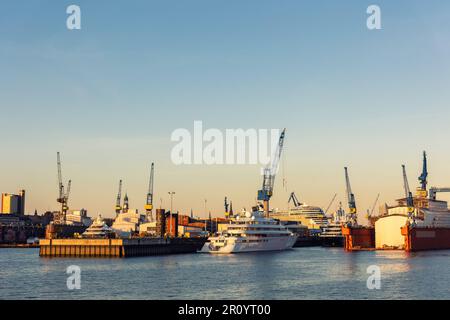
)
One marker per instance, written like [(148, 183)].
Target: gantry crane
[(119, 199), (269, 174), (294, 199), (63, 197), (149, 202), (408, 193), (351, 200)]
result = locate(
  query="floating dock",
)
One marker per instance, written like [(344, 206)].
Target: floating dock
[(118, 248), (358, 238)]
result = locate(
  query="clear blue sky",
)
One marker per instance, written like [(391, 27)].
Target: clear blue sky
[(109, 95)]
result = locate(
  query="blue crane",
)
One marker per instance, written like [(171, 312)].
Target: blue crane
[(424, 175)]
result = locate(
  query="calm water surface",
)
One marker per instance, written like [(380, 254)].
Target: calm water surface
[(301, 273)]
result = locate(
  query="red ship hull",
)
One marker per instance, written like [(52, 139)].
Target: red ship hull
[(426, 238), (358, 238)]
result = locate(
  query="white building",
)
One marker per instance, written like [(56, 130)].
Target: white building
[(127, 222), (78, 217)]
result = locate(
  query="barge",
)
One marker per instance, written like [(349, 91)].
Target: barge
[(118, 248)]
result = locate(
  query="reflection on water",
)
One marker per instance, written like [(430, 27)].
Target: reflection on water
[(302, 273)]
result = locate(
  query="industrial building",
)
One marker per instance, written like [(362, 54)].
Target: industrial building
[(13, 203)]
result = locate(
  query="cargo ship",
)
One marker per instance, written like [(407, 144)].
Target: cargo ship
[(415, 223)]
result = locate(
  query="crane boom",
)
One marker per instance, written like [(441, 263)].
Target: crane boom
[(149, 202), (374, 204), (69, 186), (60, 183), (331, 202), (408, 194), (294, 199), (434, 191), (269, 174)]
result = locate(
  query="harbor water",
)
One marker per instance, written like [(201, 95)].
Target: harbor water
[(301, 273)]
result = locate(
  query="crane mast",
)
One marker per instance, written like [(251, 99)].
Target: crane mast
[(269, 174), (119, 199), (351, 198), (149, 202)]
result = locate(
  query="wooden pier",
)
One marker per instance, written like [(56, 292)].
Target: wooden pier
[(120, 248)]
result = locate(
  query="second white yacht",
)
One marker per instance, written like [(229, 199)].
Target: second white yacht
[(251, 232)]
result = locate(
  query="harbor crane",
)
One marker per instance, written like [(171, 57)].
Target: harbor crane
[(149, 203), (269, 174), (294, 200), (408, 193), (422, 191), (119, 199), (63, 196), (331, 202), (374, 204), (369, 214), (434, 191), (351, 199)]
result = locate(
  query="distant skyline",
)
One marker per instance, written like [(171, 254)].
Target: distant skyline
[(109, 96)]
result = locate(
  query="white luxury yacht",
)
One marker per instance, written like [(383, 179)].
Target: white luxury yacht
[(251, 232)]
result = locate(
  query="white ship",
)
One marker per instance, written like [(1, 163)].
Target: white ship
[(251, 232), (312, 217)]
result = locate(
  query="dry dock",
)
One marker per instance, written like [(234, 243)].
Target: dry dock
[(120, 248)]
